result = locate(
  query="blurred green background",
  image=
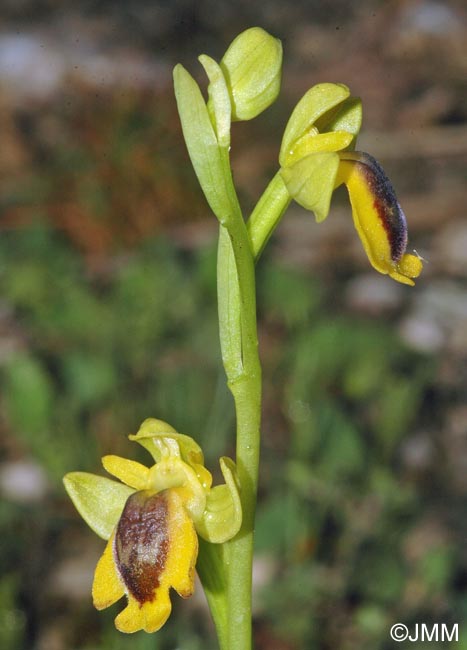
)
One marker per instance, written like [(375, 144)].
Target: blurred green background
[(108, 316)]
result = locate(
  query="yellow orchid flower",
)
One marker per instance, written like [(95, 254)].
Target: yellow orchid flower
[(151, 520), (316, 157)]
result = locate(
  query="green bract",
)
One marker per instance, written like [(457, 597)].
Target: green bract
[(252, 67), (219, 100), (201, 141)]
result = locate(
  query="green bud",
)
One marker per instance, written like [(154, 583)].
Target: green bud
[(252, 67)]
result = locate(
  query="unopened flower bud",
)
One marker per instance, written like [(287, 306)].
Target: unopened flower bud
[(252, 67)]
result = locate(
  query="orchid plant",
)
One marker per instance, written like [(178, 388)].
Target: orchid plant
[(162, 522)]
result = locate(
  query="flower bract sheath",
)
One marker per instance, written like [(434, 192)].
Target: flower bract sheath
[(152, 520)]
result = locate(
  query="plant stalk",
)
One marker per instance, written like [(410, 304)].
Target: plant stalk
[(238, 249)]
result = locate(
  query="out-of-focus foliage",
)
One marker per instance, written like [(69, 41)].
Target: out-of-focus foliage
[(98, 353)]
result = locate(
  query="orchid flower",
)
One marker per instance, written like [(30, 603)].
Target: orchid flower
[(151, 521)]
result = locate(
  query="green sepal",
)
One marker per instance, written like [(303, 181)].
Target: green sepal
[(310, 182), (222, 517), (207, 157), (316, 102), (347, 116), (99, 500), (153, 431), (252, 67), (219, 100)]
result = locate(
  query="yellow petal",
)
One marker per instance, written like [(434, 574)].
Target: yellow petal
[(128, 471), (316, 143), (107, 587)]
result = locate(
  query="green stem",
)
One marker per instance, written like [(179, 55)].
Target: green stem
[(238, 333), (244, 380), (267, 213)]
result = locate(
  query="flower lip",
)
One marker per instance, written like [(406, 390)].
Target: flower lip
[(385, 202), (141, 543)]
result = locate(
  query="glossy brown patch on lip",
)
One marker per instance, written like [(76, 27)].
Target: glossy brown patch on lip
[(142, 543)]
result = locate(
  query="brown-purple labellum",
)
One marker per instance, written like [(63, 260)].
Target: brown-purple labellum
[(142, 543), (385, 201)]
